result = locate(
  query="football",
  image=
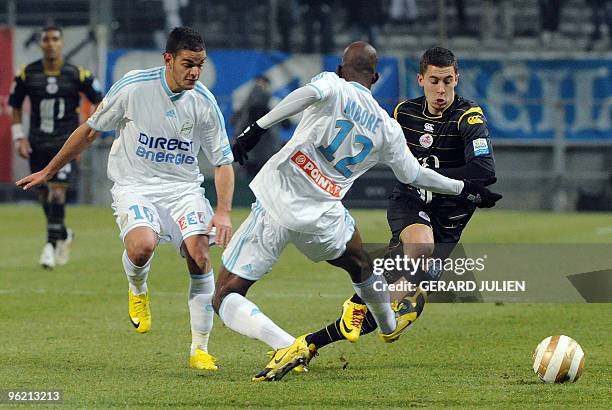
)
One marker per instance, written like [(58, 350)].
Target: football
[(558, 359)]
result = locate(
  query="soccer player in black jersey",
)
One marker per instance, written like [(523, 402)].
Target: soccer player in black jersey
[(448, 133), (53, 87)]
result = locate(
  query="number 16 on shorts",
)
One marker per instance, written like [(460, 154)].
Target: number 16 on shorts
[(134, 210), (142, 212)]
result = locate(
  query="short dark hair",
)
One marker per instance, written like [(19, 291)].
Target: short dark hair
[(52, 28), (263, 78), (439, 57), (184, 38)]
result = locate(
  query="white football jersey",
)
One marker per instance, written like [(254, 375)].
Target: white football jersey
[(339, 138), (159, 133)]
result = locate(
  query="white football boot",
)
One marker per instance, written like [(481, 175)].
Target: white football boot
[(62, 248), (47, 257)]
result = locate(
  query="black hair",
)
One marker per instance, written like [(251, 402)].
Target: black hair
[(184, 38), (439, 57), (52, 28)]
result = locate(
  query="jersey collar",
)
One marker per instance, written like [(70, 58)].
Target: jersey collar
[(427, 114), (169, 93), (360, 87), (52, 72)]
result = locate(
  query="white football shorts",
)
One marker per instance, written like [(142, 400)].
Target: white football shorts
[(173, 216), (258, 243)]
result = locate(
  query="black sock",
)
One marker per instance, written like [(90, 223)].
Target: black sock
[(331, 332), (356, 299), (369, 324), (45, 206), (55, 223), (43, 193), (325, 336)]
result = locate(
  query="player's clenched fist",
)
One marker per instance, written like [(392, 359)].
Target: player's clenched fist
[(223, 225), (479, 195), (246, 141)]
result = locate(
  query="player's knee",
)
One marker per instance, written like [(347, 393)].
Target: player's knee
[(227, 284), (417, 250), (217, 298), (221, 291), (57, 195), (43, 194), (141, 253), (202, 260), (417, 241)]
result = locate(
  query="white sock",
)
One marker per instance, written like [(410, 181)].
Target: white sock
[(378, 302), (136, 275), (243, 316), (201, 312)]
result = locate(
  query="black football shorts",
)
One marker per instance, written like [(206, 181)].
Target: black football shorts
[(446, 216), (41, 156)]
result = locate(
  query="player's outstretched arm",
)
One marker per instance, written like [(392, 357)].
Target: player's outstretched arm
[(477, 194), (224, 184), (78, 141), (294, 103), (408, 171)]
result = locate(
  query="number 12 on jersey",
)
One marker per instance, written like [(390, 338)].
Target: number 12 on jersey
[(329, 151)]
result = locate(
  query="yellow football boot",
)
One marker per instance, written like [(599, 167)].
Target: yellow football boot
[(201, 360), (139, 311), (302, 368), (406, 311), (352, 319), (284, 360)]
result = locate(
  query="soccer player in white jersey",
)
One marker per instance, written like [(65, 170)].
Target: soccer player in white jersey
[(342, 134), (163, 117)]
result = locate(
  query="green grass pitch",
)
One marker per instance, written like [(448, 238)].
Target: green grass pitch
[(68, 329)]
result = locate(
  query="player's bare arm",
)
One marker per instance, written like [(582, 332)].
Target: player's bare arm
[(78, 141), (224, 184)]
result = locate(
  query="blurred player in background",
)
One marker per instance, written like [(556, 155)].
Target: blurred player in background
[(256, 105), (163, 117), (343, 133), (53, 87), (449, 134)]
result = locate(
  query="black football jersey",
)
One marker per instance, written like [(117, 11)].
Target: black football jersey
[(54, 99), (450, 140)]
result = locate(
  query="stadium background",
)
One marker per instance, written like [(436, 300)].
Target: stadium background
[(548, 100)]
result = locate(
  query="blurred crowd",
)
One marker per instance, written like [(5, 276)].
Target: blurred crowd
[(312, 25)]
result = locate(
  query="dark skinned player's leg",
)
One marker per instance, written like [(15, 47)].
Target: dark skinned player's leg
[(417, 242), (242, 315), (359, 265), (430, 272)]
